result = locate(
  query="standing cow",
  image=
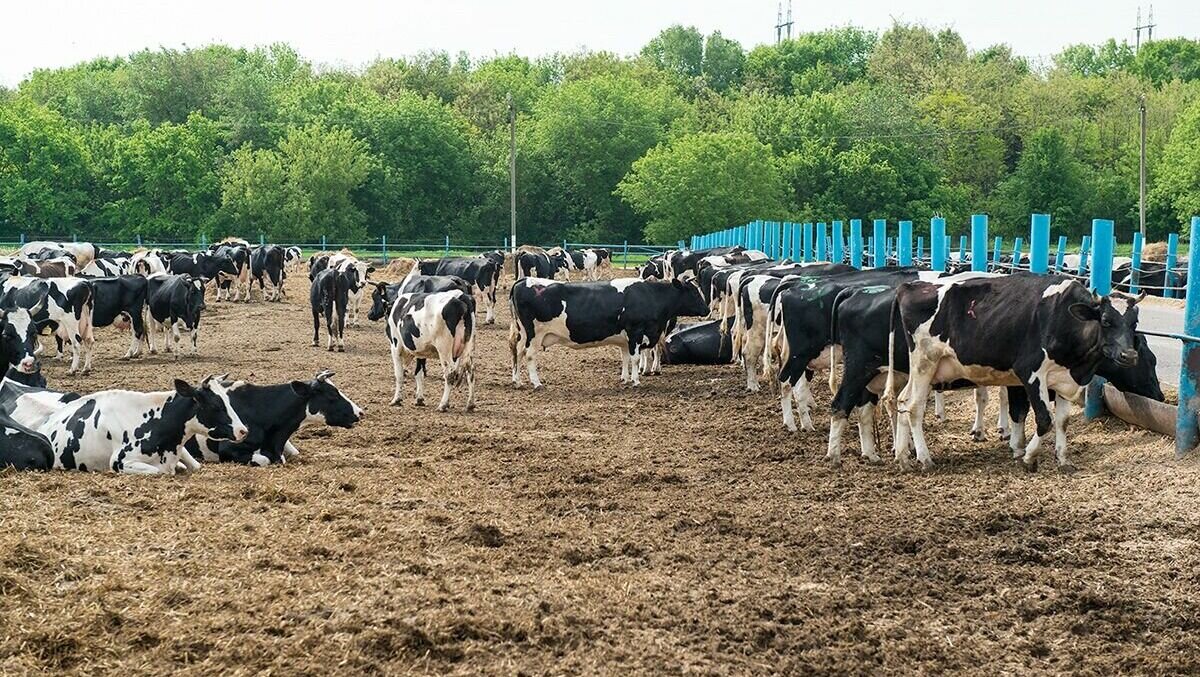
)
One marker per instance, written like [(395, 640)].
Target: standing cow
[(438, 325), (328, 297)]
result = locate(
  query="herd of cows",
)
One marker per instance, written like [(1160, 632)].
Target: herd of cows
[(886, 337)]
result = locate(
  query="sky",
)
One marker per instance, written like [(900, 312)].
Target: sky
[(52, 33)]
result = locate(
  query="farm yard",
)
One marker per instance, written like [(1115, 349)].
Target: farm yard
[(589, 527)]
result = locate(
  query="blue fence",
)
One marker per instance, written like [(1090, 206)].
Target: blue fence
[(1093, 262)]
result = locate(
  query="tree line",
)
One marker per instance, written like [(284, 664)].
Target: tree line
[(693, 134)]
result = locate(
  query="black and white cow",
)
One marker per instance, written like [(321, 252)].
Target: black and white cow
[(104, 267), (591, 260), (272, 414), (267, 265), (203, 266), (653, 269), (438, 325), (175, 304), (629, 312), (81, 252), (64, 304), (292, 258), (118, 300), (385, 293), (482, 273), (235, 286), (22, 448), (1043, 334), (345, 261), (18, 341), (677, 261), (329, 296), (560, 261), (533, 264), (142, 433), (148, 262)]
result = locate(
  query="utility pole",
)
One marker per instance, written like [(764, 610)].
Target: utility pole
[(512, 172), (1142, 166), (780, 24), (1148, 27)]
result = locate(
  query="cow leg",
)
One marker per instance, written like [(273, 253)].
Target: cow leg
[(398, 368), (635, 350), (939, 406), (531, 364), (837, 426), (341, 331), (626, 367), (803, 402), (316, 327), (1018, 409), (981, 401), (176, 339), (195, 341), (76, 352), (1062, 410), (189, 462), (866, 432), (419, 379), (1039, 402), (489, 302), (329, 340), (444, 404), (140, 468), (290, 450), (912, 408), (1002, 419), (656, 363), (470, 376), (786, 396)]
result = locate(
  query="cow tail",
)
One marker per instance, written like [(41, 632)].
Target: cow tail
[(888, 397), (833, 338), (739, 315), (464, 344), (514, 326), (776, 344)]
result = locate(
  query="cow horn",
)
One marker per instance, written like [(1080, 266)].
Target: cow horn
[(1133, 300), (324, 375)]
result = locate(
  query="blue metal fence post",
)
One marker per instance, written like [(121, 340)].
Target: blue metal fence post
[(979, 224), (821, 241), (939, 244), (1169, 272), (23, 239), (879, 248), (139, 239), (626, 264), (796, 252), (836, 255), (1189, 371), (962, 248), (324, 247), (997, 248), (1136, 266), (785, 243), (1039, 243), (262, 239), (447, 250), (383, 246), (808, 241), (920, 247), (777, 243), (856, 243), (1062, 252), (1016, 257), (1101, 283), (1084, 248), (904, 244)]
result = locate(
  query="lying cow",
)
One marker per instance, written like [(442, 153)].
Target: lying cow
[(628, 312), (142, 433), (64, 304), (436, 325), (699, 343), (81, 253), (22, 448), (272, 414), (1023, 330)]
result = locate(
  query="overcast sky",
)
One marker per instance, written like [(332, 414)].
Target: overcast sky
[(50, 33)]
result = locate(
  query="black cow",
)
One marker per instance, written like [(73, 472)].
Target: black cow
[(23, 448), (175, 302), (267, 265), (121, 297), (629, 312), (533, 264), (203, 266), (238, 252), (482, 273), (272, 414), (328, 296), (1039, 332), (1152, 277)]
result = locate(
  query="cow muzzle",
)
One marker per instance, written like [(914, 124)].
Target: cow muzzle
[(1127, 358), (240, 432), (28, 365)]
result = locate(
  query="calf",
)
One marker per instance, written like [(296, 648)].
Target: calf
[(628, 312), (143, 433), (1032, 331), (482, 273), (175, 302), (267, 265), (272, 414), (64, 304), (328, 296), (424, 326)]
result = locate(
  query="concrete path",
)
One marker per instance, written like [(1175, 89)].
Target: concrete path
[(1163, 316)]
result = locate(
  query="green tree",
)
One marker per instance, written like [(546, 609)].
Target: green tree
[(723, 62), (915, 59), (1162, 61), (703, 182), (677, 50), (1095, 61), (45, 177), (1048, 179), (812, 62), (1177, 186)]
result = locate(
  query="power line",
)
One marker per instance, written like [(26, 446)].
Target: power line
[(780, 24)]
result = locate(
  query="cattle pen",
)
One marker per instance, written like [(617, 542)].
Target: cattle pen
[(588, 527)]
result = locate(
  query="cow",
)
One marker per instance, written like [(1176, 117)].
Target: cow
[(65, 304), (1151, 277), (19, 340), (267, 265), (18, 265), (236, 285), (698, 343), (105, 268), (679, 260), (82, 252), (384, 294), (272, 414), (438, 325), (560, 260), (175, 302), (148, 262), (534, 264), (62, 266), (34, 378), (329, 296), (292, 257), (203, 266), (344, 261), (121, 299), (630, 313), (22, 448), (141, 433), (591, 261), (1041, 333), (653, 269), (482, 273), (798, 326)]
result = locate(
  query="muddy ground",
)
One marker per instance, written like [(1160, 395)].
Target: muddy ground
[(590, 528)]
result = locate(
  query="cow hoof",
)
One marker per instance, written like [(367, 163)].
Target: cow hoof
[(977, 435), (927, 466), (330, 349), (538, 386), (397, 402), (443, 407), (1030, 466), (872, 460), (470, 407), (341, 349), (1067, 469), (834, 461), (315, 344), (419, 403)]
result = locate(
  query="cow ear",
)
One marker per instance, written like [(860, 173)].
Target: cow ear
[(184, 388), (370, 269), (1084, 312), (302, 388)]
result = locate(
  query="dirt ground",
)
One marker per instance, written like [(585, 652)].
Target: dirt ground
[(590, 528)]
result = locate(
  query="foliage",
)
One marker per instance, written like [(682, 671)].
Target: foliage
[(44, 171)]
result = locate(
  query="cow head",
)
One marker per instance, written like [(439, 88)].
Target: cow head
[(689, 300), (194, 302), (325, 404), (1118, 342), (213, 414), (18, 338), (379, 302)]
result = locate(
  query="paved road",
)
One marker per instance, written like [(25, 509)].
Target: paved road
[(1162, 317)]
